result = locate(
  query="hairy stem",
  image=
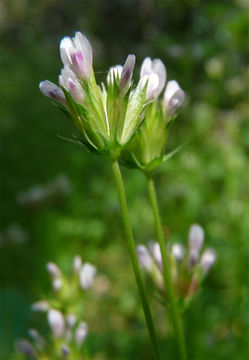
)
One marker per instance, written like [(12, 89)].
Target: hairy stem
[(175, 314), (133, 256)]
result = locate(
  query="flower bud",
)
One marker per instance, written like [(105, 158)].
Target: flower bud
[(196, 237), (77, 263), (53, 270), (178, 251), (52, 91), (40, 306), (114, 73), (27, 349), (56, 322), (65, 351), (156, 252), (68, 80), (81, 333), (76, 53), (87, 274), (57, 284), (207, 259), (38, 339), (173, 97), (127, 72), (149, 69), (144, 257), (71, 320)]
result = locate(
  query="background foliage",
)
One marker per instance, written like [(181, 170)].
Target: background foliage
[(204, 45)]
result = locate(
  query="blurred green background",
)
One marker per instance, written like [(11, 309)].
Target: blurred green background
[(204, 45)]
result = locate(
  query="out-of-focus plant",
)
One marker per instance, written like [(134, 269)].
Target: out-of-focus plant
[(189, 266), (64, 309)]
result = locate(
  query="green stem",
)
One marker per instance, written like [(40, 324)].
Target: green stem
[(133, 256), (175, 314)]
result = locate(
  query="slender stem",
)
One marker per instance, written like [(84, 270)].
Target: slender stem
[(176, 317), (133, 256)]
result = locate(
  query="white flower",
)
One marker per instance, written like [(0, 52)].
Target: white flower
[(173, 97), (81, 333), (77, 54), (154, 72), (87, 274), (114, 73), (52, 91), (178, 251), (56, 322), (57, 284), (207, 260), (68, 80), (144, 257)]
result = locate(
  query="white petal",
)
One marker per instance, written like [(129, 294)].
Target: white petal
[(127, 72), (173, 96), (87, 274), (56, 322), (66, 49), (159, 68), (146, 67), (82, 44)]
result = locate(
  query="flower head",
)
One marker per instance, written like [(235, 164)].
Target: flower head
[(153, 72)]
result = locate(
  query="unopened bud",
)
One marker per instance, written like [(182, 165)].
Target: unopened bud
[(144, 257), (52, 91), (71, 320), (173, 97), (57, 284), (196, 237), (81, 333), (65, 351), (77, 263), (156, 252), (38, 339), (27, 349), (126, 74), (178, 251), (207, 260), (114, 73), (40, 306), (53, 270), (56, 322), (87, 274)]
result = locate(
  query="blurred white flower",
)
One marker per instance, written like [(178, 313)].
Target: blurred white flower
[(77, 263), (87, 274), (56, 322), (207, 259), (81, 333), (144, 257), (178, 251)]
